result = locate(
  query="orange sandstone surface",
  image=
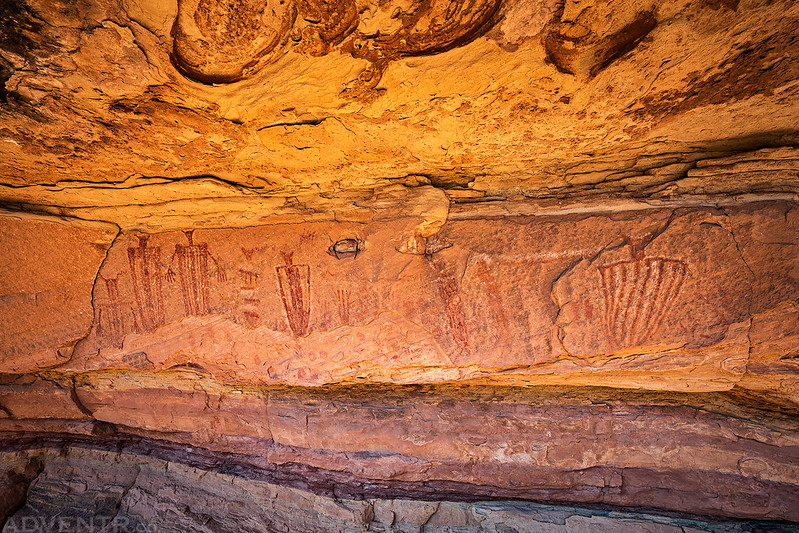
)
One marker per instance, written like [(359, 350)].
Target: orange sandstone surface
[(358, 265)]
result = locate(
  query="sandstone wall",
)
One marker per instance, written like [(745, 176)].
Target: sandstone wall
[(638, 359)]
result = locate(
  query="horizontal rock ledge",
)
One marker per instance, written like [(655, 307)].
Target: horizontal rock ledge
[(685, 298), (83, 487), (699, 454)]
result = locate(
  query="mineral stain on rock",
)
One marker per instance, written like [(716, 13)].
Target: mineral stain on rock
[(356, 265), (345, 248)]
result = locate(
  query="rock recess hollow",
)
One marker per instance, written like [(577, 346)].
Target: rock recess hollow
[(502, 265)]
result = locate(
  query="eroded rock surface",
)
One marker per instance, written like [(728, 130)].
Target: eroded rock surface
[(96, 489), (494, 98), (662, 299), (700, 454), (358, 265), (47, 268), (393, 358)]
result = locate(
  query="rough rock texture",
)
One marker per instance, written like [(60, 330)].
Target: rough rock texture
[(358, 265), (89, 489), (47, 268), (637, 299), (657, 97), (263, 349), (698, 454), (260, 352)]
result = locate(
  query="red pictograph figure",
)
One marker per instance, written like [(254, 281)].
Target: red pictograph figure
[(110, 320), (249, 252), (343, 304), (453, 306), (145, 273), (494, 300), (295, 290), (248, 291), (194, 275), (638, 294)]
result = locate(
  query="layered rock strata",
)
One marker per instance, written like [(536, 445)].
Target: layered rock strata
[(700, 454), (493, 97), (378, 265), (637, 360), (87, 489), (689, 299)]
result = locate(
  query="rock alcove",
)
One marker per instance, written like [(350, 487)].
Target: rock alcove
[(425, 265)]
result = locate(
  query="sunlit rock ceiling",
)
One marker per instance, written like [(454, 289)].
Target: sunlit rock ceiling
[(114, 104)]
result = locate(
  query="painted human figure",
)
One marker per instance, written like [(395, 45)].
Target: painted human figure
[(191, 262), (638, 293), (248, 292), (295, 291), (110, 320), (453, 305), (145, 273)]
